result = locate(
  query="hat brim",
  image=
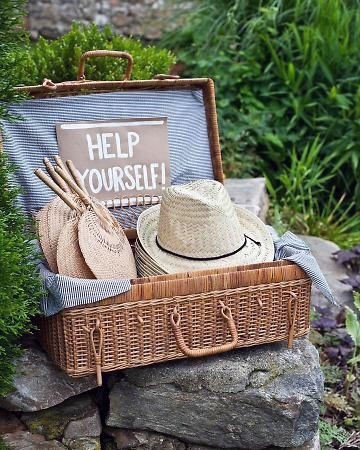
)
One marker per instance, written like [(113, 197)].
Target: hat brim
[(251, 253), (145, 265)]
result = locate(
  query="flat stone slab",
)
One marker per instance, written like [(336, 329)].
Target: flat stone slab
[(250, 398), (39, 384), (333, 272), (75, 418), (24, 440), (249, 193), (123, 439)]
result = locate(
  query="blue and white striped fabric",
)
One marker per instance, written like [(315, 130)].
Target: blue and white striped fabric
[(65, 292), (292, 248), (28, 141)]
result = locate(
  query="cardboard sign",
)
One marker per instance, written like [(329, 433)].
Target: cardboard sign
[(120, 157)]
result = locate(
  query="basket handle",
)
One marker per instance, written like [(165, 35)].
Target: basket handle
[(175, 319), (102, 54)]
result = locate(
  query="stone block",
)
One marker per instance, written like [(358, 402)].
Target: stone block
[(24, 440), (249, 193), (249, 398), (84, 443), (124, 439), (39, 384), (75, 418), (333, 272)]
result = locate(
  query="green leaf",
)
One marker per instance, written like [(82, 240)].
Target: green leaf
[(357, 300), (352, 324), (274, 139), (354, 361)]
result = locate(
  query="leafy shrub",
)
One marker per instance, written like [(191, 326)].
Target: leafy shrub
[(296, 191), (59, 59), (10, 38), (330, 433), (19, 280), (286, 73)]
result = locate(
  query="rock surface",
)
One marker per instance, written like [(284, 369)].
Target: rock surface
[(249, 193), (39, 384), (53, 18), (24, 440), (124, 439), (148, 18), (254, 398), (75, 418), (144, 440), (334, 272), (85, 443), (9, 423)]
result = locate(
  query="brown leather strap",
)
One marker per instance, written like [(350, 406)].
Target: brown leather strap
[(97, 353), (102, 54), (195, 353), (49, 84)]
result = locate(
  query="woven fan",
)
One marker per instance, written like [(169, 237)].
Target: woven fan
[(60, 240), (102, 241), (52, 218), (50, 221), (70, 259)]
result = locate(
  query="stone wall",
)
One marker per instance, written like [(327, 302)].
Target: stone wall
[(266, 397), (146, 18)]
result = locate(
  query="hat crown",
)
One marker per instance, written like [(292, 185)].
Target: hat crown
[(198, 220)]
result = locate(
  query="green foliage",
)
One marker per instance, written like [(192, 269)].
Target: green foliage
[(296, 191), (286, 73), (331, 373), (330, 433), (11, 36), (19, 280), (352, 324), (58, 60)]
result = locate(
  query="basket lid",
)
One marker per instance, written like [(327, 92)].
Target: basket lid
[(188, 106)]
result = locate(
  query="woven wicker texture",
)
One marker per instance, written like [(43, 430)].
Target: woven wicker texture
[(106, 249), (268, 302), (140, 332), (51, 220), (170, 285), (198, 220), (70, 260)]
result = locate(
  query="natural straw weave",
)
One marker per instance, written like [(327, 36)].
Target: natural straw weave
[(106, 249), (198, 226), (141, 327), (145, 265), (50, 221), (70, 260), (164, 317)]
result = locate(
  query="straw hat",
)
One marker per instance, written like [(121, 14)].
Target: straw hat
[(197, 226), (145, 265)]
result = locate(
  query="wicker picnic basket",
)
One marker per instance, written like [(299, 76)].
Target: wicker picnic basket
[(175, 316)]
